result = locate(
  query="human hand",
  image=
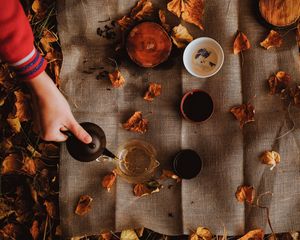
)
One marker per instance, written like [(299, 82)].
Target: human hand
[(53, 113)]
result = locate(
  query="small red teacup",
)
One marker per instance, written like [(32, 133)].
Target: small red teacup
[(197, 106)]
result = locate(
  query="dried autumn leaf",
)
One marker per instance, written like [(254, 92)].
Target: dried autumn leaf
[(204, 233), (34, 230), (143, 189), (11, 163), (194, 236), (144, 8), (278, 82), (140, 231), (125, 22), (109, 180), (49, 149), (244, 113), (245, 193), (163, 21), (190, 11), (181, 36), (6, 145), (270, 158), (241, 43), (29, 166), (48, 37), (50, 208), (116, 79), (154, 90), (273, 39), (14, 124), (128, 234), (22, 104), (33, 151), (83, 205), (136, 123), (169, 174), (106, 235), (40, 8), (257, 234)]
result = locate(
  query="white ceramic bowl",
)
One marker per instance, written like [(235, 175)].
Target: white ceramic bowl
[(197, 64)]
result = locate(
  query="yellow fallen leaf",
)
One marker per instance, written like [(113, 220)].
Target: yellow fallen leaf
[(14, 124), (245, 193), (190, 11), (11, 163), (204, 233), (257, 234), (128, 234), (181, 36), (270, 158)]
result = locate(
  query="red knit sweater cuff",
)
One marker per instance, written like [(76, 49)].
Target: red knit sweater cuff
[(30, 66)]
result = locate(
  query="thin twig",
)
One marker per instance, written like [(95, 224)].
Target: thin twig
[(293, 127), (45, 229)]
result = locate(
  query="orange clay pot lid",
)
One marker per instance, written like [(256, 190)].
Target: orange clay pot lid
[(148, 44)]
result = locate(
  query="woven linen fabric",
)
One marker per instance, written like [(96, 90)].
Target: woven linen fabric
[(230, 154)]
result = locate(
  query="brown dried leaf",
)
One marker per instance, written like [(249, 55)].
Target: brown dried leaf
[(125, 22), (241, 43), (11, 163), (50, 208), (245, 193), (29, 166), (83, 205), (34, 230), (244, 113), (136, 123), (169, 174), (39, 8), (14, 124), (143, 189), (190, 11), (279, 82), (144, 8), (257, 234), (116, 79), (55, 66), (194, 236), (128, 234), (154, 90), (140, 231), (273, 39), (181, 36), (106, 235), (270, 158), (163, 21), (22, 104), (49, 149), (109, 180), (6, 145), (33, 151), (204, 233)]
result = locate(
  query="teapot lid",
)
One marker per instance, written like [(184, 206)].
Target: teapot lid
[(87, 152)]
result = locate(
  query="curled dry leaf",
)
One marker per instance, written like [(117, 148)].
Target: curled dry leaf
[(257, 234), (154, 90), (136, 123), (50, 208), (14, 124), (245, 193), (29, 166), (116, 79), (204, 233), (278, 82), (11, 164), (143, 9), (270, 158), (273, 39), (241, 43), (143, 189), (169, 174), (48, 37), (34, 230), (109, 180), (244, 113), (128, 234), (181, 36), (83, 205), (163, 21), (22, 104), (190, 11)]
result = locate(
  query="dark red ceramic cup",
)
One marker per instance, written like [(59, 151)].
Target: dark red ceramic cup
[(197, 106)]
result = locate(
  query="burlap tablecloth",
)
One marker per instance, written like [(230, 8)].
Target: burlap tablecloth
[(230, 154)]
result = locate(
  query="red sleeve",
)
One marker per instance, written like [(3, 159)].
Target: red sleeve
[(16, 40)]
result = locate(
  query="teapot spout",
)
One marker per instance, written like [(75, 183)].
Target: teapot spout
[(108, 153)]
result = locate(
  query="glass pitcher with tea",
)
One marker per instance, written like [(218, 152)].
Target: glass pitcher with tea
[(135, 160)]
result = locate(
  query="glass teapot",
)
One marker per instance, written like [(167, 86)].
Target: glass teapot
[(135, 161)]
